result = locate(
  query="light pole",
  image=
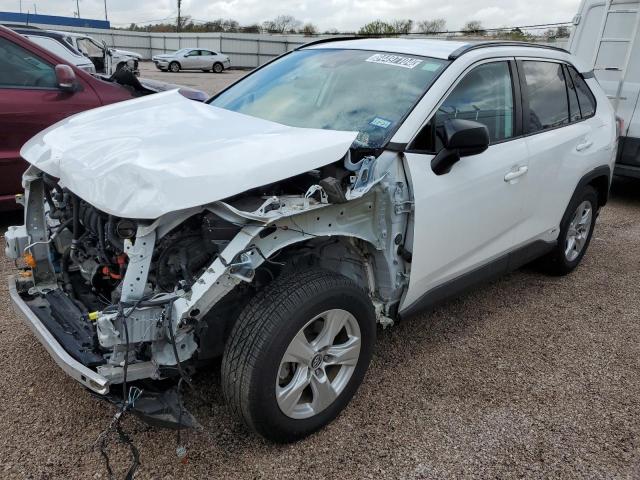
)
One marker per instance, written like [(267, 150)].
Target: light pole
[(178, 25), (78, 8), (105, 11)]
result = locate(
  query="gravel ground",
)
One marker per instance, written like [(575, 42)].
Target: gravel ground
[(528, 377)]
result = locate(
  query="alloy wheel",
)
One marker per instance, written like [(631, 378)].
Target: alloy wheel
[(318, 364), (578, 231)]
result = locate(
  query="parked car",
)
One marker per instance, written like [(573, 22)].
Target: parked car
[(344, 184), (192, 59), (82, 50), (38, 88), (606, 38)]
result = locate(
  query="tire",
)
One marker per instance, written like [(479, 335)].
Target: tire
[(174, 67), (562, 260), (217, 68), (255, 371)]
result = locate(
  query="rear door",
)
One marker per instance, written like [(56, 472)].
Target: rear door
[(208, 58), (468, 220), (30, 101), (564, 137)]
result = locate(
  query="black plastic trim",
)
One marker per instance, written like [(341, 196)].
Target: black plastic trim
[(601, 171), (587, 75), (517, 102), (486, 273), (475, 46)]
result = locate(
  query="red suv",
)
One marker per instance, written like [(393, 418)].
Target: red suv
[(37, 89)]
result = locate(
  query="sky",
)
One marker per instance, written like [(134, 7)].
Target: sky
[(344, 15)]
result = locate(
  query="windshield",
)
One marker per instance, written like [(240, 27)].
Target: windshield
[(350, 90), (181, 51)]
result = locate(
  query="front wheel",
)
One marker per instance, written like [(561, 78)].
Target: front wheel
[(174, 67), (298, 353), (576, 229)]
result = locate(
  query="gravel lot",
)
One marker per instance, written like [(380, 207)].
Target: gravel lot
[(530, 376)]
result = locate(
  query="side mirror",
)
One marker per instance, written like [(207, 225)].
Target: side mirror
[(462, 138), (66, 78)]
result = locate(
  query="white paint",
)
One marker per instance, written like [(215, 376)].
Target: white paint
[(160, 153)]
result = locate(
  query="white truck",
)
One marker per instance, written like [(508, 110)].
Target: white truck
[(82, 50), (607, 39)]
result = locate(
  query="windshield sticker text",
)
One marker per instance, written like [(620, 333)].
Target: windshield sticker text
[(380, 122), (395, 60)]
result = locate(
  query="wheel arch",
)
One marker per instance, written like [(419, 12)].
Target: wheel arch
[(600, 179)]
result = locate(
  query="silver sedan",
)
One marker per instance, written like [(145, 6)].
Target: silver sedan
[(192, 59)]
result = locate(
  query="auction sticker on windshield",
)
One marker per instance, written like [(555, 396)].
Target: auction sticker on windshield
[(395, 60)]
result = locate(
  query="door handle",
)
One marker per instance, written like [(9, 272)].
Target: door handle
[(513, 174), (583, 146)]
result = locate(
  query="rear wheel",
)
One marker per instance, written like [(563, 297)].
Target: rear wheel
[(576, 230), (174, 67), (218, 68), (298, 353)]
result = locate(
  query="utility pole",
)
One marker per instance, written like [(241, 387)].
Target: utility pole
[(78, 8), (20, 6), (178, 26), (105, 11)]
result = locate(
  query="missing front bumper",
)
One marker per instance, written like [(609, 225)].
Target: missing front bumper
[(66, 362)]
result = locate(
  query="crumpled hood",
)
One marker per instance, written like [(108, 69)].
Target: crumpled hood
[(161, 153)]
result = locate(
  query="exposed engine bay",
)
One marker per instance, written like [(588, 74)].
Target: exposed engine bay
[(133, 299)]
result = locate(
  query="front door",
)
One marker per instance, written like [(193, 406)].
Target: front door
[(192, 59), (467, 220)]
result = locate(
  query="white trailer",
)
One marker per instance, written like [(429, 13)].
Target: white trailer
[(607, 38)]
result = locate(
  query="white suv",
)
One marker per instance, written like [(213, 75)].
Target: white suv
[(344, 184)]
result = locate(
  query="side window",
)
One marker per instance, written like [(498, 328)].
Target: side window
[(89, 48), (485, 95), (574, 107), (23, 69), (547, 95), (194, 53), (585, 96)]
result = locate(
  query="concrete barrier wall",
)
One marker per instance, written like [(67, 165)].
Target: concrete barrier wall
[(246, 50)]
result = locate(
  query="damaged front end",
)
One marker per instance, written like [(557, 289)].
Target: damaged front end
[(117, 299)]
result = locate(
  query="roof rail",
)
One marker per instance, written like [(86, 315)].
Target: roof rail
[(497, 43), (334, 39)]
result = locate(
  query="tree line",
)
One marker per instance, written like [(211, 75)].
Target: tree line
[(287, 24)]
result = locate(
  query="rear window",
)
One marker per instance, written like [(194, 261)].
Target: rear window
[(547, 95)]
